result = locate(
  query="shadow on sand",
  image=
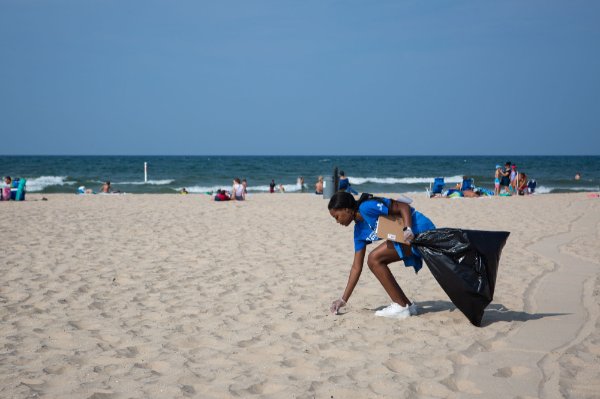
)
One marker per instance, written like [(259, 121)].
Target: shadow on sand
[(495, 312)]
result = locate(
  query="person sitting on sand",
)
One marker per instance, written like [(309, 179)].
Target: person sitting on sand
[(105, 187), (222, 195), (319, 185), (239, 194), (184, 191), (522, 189), (5, 194), (364, 213)]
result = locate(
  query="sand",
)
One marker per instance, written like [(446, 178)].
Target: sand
[(173, 296)]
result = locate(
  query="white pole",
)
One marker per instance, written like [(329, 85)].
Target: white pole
[(145, 172)]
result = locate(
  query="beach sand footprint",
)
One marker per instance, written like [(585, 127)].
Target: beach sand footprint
[(507, 372)]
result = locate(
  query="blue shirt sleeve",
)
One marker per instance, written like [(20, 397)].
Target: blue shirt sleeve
[(364, 231)]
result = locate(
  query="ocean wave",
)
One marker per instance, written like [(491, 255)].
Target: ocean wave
[(203, 189), (151, 182), (550, 190), (401, 180), (289, 188), (40, 183)]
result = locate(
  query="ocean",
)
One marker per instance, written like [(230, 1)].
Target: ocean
[(375, 174)]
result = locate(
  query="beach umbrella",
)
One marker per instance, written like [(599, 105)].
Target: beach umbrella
[(465, 264)]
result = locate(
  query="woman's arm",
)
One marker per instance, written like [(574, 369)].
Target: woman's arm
[(355, 271), (401, 209)]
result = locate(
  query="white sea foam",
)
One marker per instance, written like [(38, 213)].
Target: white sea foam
[(204, 189), (401, 180), (543, 190), (39, 183), (548, 190), (151, 182), (289, 188)]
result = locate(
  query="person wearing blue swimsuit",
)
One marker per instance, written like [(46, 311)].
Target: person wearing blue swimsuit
[(365, 212), (344, 184)]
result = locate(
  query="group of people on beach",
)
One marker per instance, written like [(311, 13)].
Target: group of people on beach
[(106, 188), (273, 187), (343, 184), (509, 180), (238, 192)]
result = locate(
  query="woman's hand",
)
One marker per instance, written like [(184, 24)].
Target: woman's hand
[(336, 305), (408, 235)]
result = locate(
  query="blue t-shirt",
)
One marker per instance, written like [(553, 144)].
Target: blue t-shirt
[(344, 183), (364, 231)]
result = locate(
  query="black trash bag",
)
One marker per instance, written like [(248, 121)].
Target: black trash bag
[(465, 264)]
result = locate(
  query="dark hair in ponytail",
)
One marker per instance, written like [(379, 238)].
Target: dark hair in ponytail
[(343, 200)]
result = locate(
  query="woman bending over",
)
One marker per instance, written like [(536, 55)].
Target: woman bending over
[(364, 213)]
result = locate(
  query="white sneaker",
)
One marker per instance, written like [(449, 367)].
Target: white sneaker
[(395, 311)]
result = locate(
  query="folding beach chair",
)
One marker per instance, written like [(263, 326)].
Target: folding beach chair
[(438, 186), (467, 184)]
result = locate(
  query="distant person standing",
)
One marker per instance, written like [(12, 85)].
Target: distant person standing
[(272, 186), (319, 185), (577, 176), (344, 184), (505, 179), (514, 176), (497, 176), (300, 183), (245, 184)]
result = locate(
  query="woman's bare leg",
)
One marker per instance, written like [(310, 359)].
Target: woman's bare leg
[(378, 262)]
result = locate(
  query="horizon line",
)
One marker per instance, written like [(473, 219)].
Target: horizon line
[(300, 155)]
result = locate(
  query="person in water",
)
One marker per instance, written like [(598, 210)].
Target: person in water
[(344, 208)]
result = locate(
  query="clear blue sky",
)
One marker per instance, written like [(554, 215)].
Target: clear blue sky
[(299, 77)]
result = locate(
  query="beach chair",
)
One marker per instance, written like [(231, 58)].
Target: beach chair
[(438, 187), (467, 184), (18, 189)]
